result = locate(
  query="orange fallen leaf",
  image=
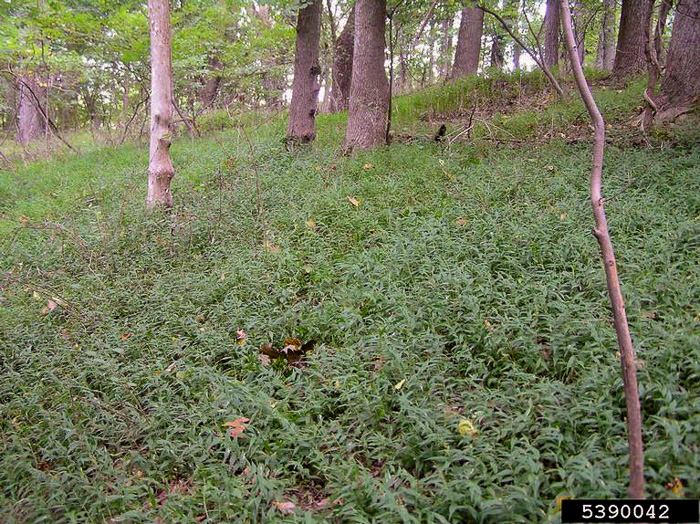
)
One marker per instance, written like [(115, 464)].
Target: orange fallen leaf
[(237, 426), (368, 166), (126, 336)]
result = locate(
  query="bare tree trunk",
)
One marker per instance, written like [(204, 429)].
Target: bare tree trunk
[(513, 23), (627, 356), (369, 91), (551, 35), (468, 41), (125, 100), (207, 93), (664, 9), (160, 167), (305, 87), (680, 86), (580, 21), (496, 55), (629, 56), (30, 122), (343, 50), (605, 56), (446, 48)]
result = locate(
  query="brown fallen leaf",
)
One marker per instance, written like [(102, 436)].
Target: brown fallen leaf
[(287, 508), (368, 166), (293, 350), (125, 336), (353, 201)]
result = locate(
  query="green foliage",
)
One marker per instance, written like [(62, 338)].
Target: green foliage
[(469, 272)]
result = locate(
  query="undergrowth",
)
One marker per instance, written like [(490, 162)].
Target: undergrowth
[(465, 366)]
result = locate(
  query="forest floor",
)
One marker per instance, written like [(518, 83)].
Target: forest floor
[(464, 364)]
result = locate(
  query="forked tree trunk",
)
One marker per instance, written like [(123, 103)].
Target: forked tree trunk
[(305, 87), (680, 86), (630, 57), (30, 122), (160, 168), (605, 55), (551, 34), (468, 41), (369, 91), (627, 356), (343, 50)]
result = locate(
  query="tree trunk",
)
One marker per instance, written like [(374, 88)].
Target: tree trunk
[(207, 93), (664, 9), (343, 50), (305, 87), (30, 122), (369, 91), (605, 55), (468, 42), (681, 81), (446, 48), (160, 168), (551, 36), (629, 56), (513, 24), (496, 56), (579, 13), (602, 234)]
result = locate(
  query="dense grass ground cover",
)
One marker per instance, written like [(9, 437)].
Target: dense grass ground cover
[(464, 291)]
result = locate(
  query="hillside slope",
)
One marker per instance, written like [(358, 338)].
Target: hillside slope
[(464, 366)]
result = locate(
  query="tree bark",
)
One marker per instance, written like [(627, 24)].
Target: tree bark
[(496, 56), (551, 35), (305, 87), (664, 9), (30, 122), (468, 41), (207, 93), (369, 91), (343, 50), (160, 167), (605, 55), (446, 48), (624, 339), (629, 55), (680, 85), (579, 13)]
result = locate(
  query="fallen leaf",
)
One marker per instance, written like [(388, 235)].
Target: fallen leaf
[(354, 201), (222, 277), (466, 427), (237, 426), (563, 216), (23, 219), (264, 360), (400, 384), (240, 337), (125, 336), (489, 326), (368, 166), (50, 306), (461, 221), (287, 508), (311, 224), (675, 487)]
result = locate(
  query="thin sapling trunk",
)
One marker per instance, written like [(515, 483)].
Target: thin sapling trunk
[(627, 356)]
